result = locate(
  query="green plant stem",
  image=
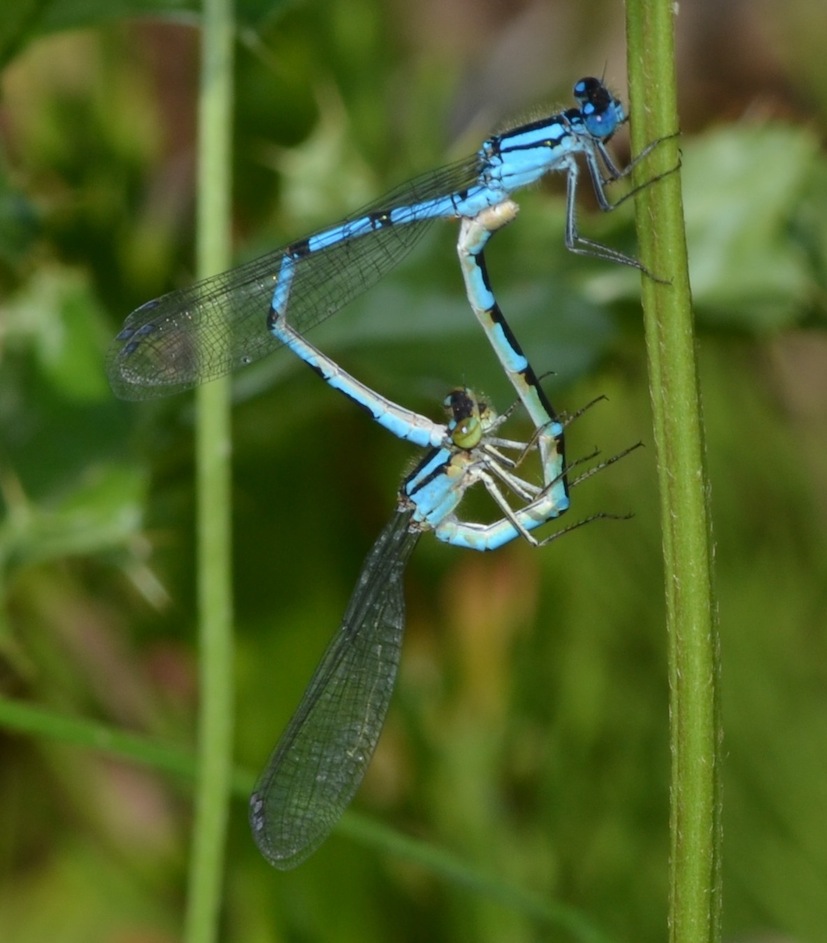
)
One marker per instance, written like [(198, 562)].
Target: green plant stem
[(695, 891), (215, 721)]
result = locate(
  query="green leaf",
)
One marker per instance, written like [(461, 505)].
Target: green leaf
[(66, 488), (743, 188)]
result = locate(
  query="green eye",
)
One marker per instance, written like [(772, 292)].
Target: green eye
[(468, 433)]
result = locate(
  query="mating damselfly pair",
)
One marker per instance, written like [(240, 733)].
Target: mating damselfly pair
[(231, 320)]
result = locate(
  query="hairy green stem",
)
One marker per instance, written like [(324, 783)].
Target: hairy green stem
[(695, 891)]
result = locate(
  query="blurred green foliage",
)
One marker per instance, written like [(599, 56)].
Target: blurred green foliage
[(529, 733)]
